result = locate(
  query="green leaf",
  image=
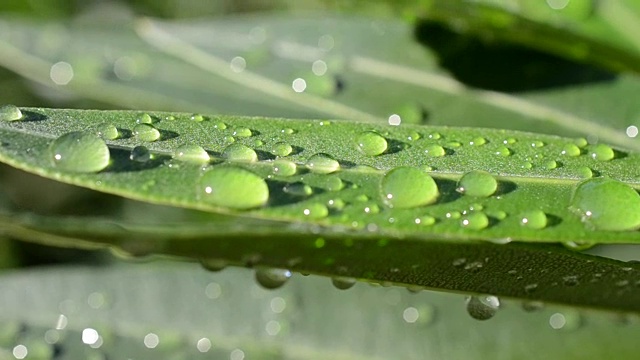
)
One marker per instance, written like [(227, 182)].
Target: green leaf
[(319, 218), (177, 309)]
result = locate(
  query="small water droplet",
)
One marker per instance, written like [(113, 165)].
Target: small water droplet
[(453, 215), (413, 136), (509, 141), (371, 208), (533, 219), (606, 204), (191, 153), (454, 144), (271, 278), (570, 150), (435, 136), (10, 113), (434, 150), (219, 125), (107, 131), (550, 165), (287, 131), (322, 164), (584, 173), (503, 151), (315, 211), (281, 149), (79, 152), (581, 142), (407, 187), (425, 220), (332, 183), (146, 132), (478, 141), (197, 118), (343, 283), (140, 154), (602, 152), (170, 118), (144, 118), (242, 133), (337, 204), (482, 307), (578, 245), (239, 152), (282, 167), (232, 187), (371, 143), (213, 264), (477, 183), (475, 220), (229, 139), (537, 144), (298, 189), (527, 165)]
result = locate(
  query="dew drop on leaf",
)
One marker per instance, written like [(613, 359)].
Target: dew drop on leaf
[(584, 173), (233, 188), (271, 278), (140, 154), (606, 204), (332, 183), (191, 153), (146, 132), (144, 118), (537, 144), (413, 136), (578, 245), (287, 131), (10, 113), (503, 151), (435, 136), (107, 131), (454, 144), (425, 220), (213, 264), (282, 167), (371, 143), (298, 189), (602, 152), (197, 118), (570, 150), (315, 211), (477, 183), (79, 152), (581, 142), (281, 149), (239, 152), (533, 219), (322, 164), (434, 150), (482, 307), (550, 165), (475, 220), (407, 187), (242, 133), (478, 141), (509, 141), (343, 283), (219, 125)]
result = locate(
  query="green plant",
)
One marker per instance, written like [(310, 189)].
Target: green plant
[(403, 194)]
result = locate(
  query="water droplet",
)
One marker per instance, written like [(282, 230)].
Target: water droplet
[(146, 132), (343, 283), (107, 131), (454, 144), (79, 152), (232, 187), (239, 152), (533, 219), (219, 125), (425, 220), (478, 141), (322, 164), (281, 149), (602, 152), (10, 113), (407, 187), (435, 136), (282, 167), (434, 150), (509, 141), (527, 165), (242, 133), (213, 264), (191, 153), (229, 139), (371, 208), (477, 183), (197, 117), (550, 165), (482, 307), (371, 143), (453, 215), (271, 278), (170, 117), (413, 136), (581, 142), (332, 183), (578, 245), (315, 211), (503, 151), (570, 150), (298, 189), (584, 173), (537, 144), (337, 204), (140, 154), (606, 204), (144, 118), (287, 131), (475, 220)]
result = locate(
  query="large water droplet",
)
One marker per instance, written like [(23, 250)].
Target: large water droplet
[(482, 307), (606, 204), (282, 167), (271, 278), (107, 131), (191, 153), (343, 283), (140, 154), (602, 152), (322, 164), (371, 143), (144, 118), (10, 113), (407, 187), (239, 152), (534, 219), (79, 152), (477, 183), (232, 187), (475, 220), (434, 150), (146, 132), (281, 149)]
